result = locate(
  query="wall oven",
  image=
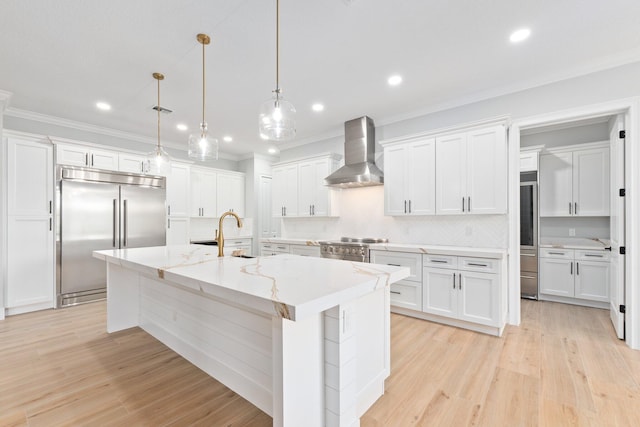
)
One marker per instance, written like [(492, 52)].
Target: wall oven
[(529, 235)]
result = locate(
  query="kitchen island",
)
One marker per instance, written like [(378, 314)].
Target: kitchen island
[(304, 339)]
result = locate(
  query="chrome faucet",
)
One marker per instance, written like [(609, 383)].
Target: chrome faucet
[(220, 236)]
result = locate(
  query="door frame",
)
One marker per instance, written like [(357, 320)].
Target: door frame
[(630, 108)]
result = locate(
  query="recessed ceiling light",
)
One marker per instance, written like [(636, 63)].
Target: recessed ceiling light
[(103, 106), (227, 138), (394, 80), (520, 35), (317, 107), (181, 126), (272, 150)]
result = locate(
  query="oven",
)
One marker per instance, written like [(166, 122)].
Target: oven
[(529, 235), (348, 248)]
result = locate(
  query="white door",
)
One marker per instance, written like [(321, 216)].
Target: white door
[(178, 191), (30, 178), (306, 187), (421, 161), (487, 171), (291, 190), (556, 277), (266, 223), (591, 182), (617, 227), (395, 180), (103, 160), (320, 203), (592, 280), (278, 190), (439, 295), (195, 206), (208, 194), (478, 299), (131, 163), (450, 174), (556, 184)]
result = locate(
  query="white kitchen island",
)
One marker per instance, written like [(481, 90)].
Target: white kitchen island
[(304, 339)]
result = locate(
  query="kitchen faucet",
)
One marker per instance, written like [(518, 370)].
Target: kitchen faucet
[(220, 236)]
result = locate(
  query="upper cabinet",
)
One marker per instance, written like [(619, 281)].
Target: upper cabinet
[(299, 190), (410, 178), (471, 172), (132, 163), (230, 193), (203, 193), (575, 182), (178, 190), (78, 155)]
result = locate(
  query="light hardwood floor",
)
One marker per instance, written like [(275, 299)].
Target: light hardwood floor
[(562, 367)]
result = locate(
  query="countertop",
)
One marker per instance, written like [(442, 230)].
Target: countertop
[(284, 285), (574, 243), (287, 241), (441, 250)]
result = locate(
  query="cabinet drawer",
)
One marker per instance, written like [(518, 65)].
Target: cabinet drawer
[(556, 253), (304, 250), (275, 247), (407, 295), (583, 255), (400, 259), (486, 265), (441, 261)]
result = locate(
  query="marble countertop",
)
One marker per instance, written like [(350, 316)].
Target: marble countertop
[(441, 250), (288, 286), (288, 241), (574, 243)]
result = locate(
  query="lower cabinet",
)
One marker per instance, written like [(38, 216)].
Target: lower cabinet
[(305, 250), (177, 231), (238, 243), (406, 293), (268, 249), (575, 274)]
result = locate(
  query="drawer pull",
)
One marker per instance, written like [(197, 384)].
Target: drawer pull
[(396, 292), (280, 247), (594, 256), (395, 265), (478, 265), (454, 280), (557, 253), (440, 261)]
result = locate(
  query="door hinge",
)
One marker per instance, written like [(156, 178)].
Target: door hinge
[(622, 192), (622, 134), (623, 308), (623, 250)]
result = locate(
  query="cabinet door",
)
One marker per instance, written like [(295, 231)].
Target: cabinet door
[(208, 194), (556, 277), (479, 298), (306, 188), (421, 180), (591, 182), (290, 194), (450, 174), (101, 159), (556, 184), (29, 262), (592, 280), (278, 188), (177, 231), (72, 155), (439, 295), (230, 193), (195, 206), (30, 178), (321, 203), (304, 250), (486, 171), (131, 163), (395, 180), (178, 191)]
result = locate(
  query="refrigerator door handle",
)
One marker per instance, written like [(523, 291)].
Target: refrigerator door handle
[(115, 219), (125, 220)]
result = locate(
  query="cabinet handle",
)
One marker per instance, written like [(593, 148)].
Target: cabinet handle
[(92, 160), (310, 210), (285, 211), (115, 219), (86, 159), (395, 265), (313, 209), (469, 204), (50, 224), (459, 281), (405, 206), (570, 211), (126, 229), (575, 208), (281, 210), (441, 261), (396, 292), (409, 206), (557, 253), (280, 247), (593, 255), (463, 204), (478, 265), (577, 268), (50, 206), (168, 223), (454, 280), (168, 209), (571, 268)]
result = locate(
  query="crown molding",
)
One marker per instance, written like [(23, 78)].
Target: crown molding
[(5, 98)]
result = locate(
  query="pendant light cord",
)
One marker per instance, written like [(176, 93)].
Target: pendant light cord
[(158, 115), (203, 82), (277, 48)]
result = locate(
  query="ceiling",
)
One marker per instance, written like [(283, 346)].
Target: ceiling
[(60, 57)]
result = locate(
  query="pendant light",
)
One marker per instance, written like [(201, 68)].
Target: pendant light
[(158, 160), (201, 145), (277, 116)]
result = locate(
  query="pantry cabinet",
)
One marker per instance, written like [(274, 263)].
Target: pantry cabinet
[(178, 185), (78, 155), (410, 186), (575, 182), (471, 172)]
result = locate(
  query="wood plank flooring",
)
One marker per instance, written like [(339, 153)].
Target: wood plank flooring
[(562, 367)]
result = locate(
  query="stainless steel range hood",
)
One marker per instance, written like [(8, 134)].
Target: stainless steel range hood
[(359, 169)]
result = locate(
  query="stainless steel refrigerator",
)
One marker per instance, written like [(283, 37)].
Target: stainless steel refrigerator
[(102, 210)]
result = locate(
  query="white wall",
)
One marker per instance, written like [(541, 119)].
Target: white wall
[(589, 227), (596, 132)]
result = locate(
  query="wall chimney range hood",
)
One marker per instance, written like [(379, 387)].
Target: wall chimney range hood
[(359, 168)]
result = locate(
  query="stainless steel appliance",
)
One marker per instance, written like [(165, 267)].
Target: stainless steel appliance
[(529, 235), (359, 168), (102, 210), (348, 248)]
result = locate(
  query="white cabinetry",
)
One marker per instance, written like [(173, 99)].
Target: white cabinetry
[(178, 204), (238, 243), (574, 274), (268, 249), (78, 155), (528, 161), (406, 293), (463, 288), (230, 193), (132, 163), (305, 250), (299, 190), (410, 178), (203, 193), (575, 182), (471, 172), (30, 236)]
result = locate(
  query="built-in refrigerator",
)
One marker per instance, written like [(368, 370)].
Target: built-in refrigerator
[(529, 235), (102, 210)]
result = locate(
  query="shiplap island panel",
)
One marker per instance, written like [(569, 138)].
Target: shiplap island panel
[(304, 339)]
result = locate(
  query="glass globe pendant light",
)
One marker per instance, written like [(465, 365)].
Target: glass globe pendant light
[(158, 161), (277, 116), (201, 145)]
